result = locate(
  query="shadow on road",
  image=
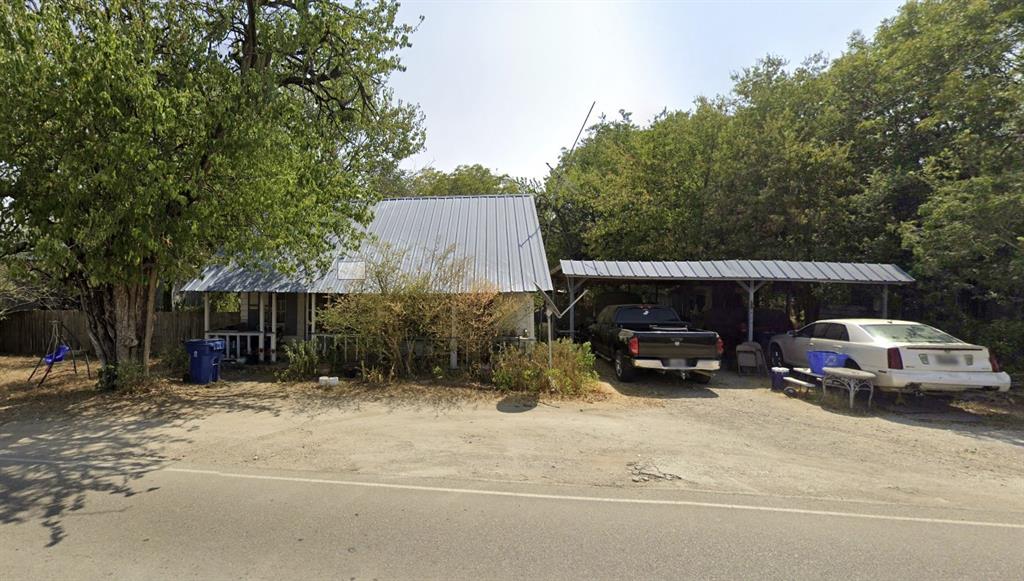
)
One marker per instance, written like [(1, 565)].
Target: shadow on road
[(57, 447), (655, 385), (516, 404)]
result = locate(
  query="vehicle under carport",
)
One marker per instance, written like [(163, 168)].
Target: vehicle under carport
[(750, 275)]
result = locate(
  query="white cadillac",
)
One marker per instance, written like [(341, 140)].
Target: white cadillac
[(905, 356)]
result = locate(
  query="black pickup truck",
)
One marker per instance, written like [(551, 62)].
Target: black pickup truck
[(654, 337)]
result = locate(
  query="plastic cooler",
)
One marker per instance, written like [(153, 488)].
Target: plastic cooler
[(819, 360), (204, 360), (779, 375)]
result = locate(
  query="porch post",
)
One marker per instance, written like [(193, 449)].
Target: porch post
[(273, 327), (885, 301), (312, 313), (206, 313), (262, 328)]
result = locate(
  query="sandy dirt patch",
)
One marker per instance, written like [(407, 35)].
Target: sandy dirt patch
[(732, 436)]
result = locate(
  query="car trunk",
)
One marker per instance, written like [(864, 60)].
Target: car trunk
[(931, 357)]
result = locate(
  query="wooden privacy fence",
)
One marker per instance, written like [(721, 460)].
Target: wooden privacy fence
[(28, 332)]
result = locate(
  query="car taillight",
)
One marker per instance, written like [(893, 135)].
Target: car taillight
[(994, 363), (895, 359), (634, 346), (720, 346)]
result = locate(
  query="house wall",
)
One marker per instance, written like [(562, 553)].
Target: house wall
[(521, 320)]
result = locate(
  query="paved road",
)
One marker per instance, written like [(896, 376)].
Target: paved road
[(199, 522)]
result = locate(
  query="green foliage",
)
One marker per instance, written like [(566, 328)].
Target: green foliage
[(405, 319), (145, 139), (907, 149), (303, 358), (571, 373), (124, 376), (464, 180), (175, 361)]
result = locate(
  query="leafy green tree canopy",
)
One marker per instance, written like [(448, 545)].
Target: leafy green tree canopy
[(145, 139)]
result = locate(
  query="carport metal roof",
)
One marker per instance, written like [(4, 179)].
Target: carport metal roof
[(749, 274), (737, 270)]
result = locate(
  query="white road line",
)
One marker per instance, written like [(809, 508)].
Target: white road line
[(534, 495)]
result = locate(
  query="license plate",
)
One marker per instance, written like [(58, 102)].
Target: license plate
[(946, 359)]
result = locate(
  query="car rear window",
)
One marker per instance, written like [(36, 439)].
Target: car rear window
[(910, 333), (646, 315)]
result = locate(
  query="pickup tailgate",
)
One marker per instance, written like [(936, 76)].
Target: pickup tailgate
[(665, 343)]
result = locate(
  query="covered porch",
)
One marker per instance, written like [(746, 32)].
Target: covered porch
[(266, 320)]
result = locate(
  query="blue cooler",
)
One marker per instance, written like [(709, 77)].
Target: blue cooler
[(779, 375), (204, 360), (819, 360)]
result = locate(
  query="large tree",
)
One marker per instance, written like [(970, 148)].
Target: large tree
[(142, 140)]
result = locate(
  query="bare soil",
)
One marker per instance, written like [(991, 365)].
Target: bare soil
[(734, 435)]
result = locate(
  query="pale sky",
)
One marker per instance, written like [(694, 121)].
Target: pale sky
[(507, 84)]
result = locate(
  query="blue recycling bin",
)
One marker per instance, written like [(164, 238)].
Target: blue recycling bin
[(819, 360), (204, 360)]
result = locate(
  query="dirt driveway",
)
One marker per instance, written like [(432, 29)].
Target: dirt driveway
[(733, 436)]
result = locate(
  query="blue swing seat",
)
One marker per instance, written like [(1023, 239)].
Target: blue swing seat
[(58, 355)]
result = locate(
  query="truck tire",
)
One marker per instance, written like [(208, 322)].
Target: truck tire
[(775, 356), (624, 370)]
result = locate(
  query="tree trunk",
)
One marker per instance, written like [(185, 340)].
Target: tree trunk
[(120, 321)]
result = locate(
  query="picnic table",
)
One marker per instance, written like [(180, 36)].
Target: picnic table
[(852, 380)]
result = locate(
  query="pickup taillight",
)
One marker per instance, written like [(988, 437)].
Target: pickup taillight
[(994, 363), (895, 359), (720, 346), (634, 346)]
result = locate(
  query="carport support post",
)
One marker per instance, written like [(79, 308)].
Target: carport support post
[(572, 311), (750, 311), (751, 288), (885, 301)]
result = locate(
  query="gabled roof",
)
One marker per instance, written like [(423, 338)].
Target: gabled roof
[(499, 237), (738, 270)]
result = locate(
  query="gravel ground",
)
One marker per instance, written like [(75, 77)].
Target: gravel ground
[(732, 436)]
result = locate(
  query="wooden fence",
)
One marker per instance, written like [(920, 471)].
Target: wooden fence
[(28, 332)]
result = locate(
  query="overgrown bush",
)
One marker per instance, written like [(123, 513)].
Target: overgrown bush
[(175, 361), (406, 319), (303, 360), (571, 372), (126, 376), (1005, 339)]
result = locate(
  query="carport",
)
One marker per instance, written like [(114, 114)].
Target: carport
[(751, 275)]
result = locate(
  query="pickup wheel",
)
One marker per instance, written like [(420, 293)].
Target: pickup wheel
[(775, 355), (624, 370)]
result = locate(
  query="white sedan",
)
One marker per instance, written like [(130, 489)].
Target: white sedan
[(905, 356)]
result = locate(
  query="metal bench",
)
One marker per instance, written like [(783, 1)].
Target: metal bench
[(852, 380)]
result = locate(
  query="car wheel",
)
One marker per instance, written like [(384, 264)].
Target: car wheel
[(851, 364), (775, 353), (624, 371)]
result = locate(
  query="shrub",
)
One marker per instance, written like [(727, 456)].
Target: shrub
[(175, 361), (124, 376), (303, 360), (405, 320), (571, 372)]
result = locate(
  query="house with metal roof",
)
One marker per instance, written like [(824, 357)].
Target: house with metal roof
[(497, 237)]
